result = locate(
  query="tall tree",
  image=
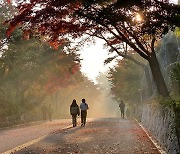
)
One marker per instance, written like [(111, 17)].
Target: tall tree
[(32, 70), (139, 24), (125, 80)]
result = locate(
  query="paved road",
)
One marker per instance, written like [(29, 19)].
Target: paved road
[(13, 137), (101, 136)]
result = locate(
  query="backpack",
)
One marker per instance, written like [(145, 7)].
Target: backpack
[(74, 110)]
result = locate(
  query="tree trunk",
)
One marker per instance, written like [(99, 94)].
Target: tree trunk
[(148, 80), (157, 75)]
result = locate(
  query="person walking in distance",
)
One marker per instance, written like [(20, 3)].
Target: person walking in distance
[(84, 107), (74, 110), (122, 106)]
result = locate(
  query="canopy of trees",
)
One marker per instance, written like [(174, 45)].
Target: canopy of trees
[(33, 74), (139, 24), (30, 71)]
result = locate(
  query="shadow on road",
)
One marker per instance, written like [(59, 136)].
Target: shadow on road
[(98, 136)]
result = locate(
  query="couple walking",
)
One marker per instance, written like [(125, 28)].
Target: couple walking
[(74, 110)]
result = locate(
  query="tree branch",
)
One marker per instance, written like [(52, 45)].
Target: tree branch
[(136, 39), (152, 44), (131, 44), (120, 54)]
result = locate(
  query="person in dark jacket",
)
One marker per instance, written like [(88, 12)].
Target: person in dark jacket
[(74, 110), (122, 106)]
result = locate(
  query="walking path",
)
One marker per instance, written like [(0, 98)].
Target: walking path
[(99, 136), (13, 137)]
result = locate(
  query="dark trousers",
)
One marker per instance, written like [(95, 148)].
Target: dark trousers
[(74, 121), (122, 113), (83, 117)]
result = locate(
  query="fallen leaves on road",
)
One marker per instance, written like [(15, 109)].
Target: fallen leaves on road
[(115, 136)]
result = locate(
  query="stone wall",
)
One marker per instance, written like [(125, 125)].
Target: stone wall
[(160, 122), (168, 55)]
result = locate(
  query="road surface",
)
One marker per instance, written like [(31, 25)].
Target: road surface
[(13, 137), (99, 136)]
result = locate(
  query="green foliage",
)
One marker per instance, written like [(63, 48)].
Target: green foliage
[(169, 102), (175, 79), (125, 80), (177, 31), (30, 70), (175, 72), (6, 12)]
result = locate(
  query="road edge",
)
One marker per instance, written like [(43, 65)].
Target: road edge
[(152, 140)]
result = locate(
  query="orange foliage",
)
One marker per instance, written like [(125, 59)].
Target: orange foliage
[(60, 81), (56, 43), (26, 34), (115, 41), (9, 31), (11, 28)]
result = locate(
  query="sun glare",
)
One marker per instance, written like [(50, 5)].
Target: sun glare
[(138, 18)]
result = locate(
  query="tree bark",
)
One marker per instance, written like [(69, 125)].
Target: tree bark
[(157, 75)]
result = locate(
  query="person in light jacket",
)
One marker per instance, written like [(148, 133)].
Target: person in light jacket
[(74, 110), (84, 107)]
